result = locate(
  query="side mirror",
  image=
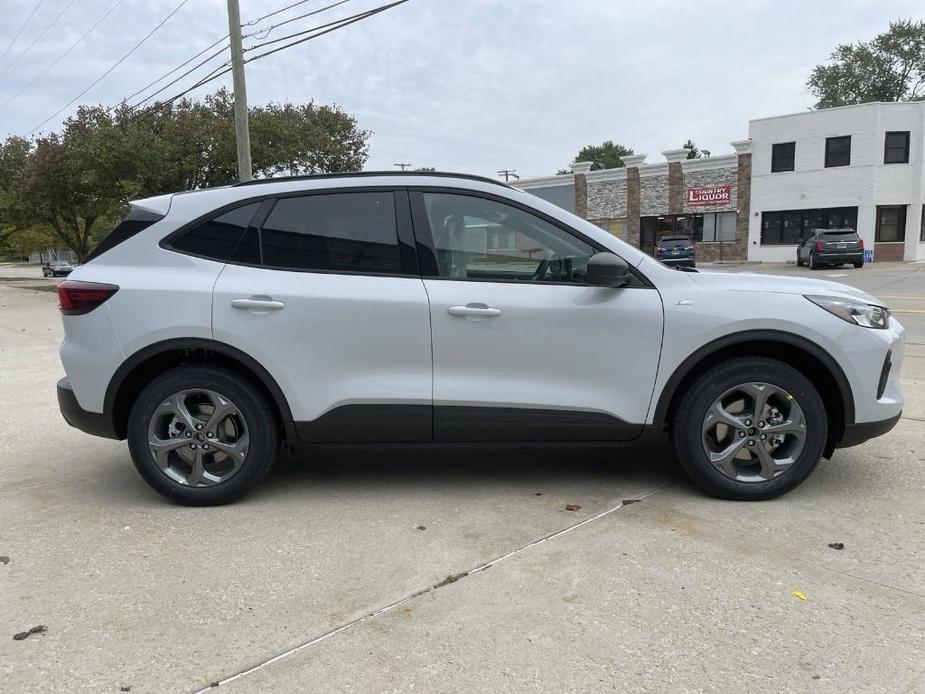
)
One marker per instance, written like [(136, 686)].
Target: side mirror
[(608, 270)]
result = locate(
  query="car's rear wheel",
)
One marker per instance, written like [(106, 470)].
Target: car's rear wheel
[(858, 265), (202, 435), (750, 428), (799, 260)]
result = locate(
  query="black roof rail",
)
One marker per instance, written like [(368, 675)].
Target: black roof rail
[(358, 174)]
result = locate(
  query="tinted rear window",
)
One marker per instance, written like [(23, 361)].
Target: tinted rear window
[(219, 237), (674, 243), (846, 235), (136, 221), (348, 232)]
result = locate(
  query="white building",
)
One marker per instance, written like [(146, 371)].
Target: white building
[(857, 166)]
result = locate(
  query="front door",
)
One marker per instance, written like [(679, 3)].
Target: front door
[(327, 302), (524, 349)]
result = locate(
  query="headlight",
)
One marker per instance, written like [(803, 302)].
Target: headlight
[(858, 312)]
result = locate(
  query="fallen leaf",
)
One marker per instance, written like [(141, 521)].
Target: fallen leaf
[(799, 594), (421, 527), (627, 502), (837, 545), (4, 559), (572, 507), (40, 629)]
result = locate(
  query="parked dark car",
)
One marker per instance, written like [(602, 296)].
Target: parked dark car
[(831, 247), (57, 268), (676, 250)]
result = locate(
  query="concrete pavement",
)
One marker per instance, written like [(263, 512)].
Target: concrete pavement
[(333, 576)]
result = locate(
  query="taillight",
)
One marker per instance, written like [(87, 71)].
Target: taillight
[(820, 245), (76, 298), (861, 241), (689, 248), (659, 249)]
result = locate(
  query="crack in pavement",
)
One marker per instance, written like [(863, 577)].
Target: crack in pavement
[(452, 578)]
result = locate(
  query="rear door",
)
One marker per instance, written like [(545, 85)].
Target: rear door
[(524, 349), (324, 292)]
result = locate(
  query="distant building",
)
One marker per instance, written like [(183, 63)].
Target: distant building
[(855, 166)]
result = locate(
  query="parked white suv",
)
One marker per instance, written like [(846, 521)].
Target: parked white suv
[(211, 328)]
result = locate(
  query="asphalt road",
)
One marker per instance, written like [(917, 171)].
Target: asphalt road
[(440, 570)]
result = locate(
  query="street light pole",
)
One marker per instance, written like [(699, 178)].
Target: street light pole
[(241, 130)]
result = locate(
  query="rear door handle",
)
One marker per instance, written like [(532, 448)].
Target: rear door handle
[(258, 304), (474, 311)]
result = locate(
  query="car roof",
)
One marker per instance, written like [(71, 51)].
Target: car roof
[(373, 174)]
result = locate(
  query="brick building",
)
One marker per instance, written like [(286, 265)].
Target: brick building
[(859, 166), (707, 199)]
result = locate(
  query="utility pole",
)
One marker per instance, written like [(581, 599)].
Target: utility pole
[(242, 134), (509, 174), (402, 165)]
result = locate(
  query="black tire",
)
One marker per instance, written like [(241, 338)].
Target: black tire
[(687, 437), (253, 406), (813, 265), (859, 265), (799, 260)]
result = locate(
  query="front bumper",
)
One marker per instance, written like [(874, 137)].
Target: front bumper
[(94, 423), (859, 433)]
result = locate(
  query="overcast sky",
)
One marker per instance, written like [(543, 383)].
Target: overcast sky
[(469, 85)]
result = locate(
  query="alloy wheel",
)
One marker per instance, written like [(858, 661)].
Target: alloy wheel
[(198, 438), (754, 432)]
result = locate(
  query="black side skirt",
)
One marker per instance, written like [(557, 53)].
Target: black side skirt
[(447, 424)]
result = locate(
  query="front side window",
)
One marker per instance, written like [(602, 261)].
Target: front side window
[(218, 238), (838, 151), (896, 148), (335, 232), (782, 155), (481, 239), (891, 223)]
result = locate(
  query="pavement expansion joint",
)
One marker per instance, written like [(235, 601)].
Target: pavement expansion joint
[(449, 580)]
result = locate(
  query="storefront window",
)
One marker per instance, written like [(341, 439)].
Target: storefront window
[(791, 226), (891, 223)]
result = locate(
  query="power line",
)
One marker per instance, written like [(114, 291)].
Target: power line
[(178, 67), (64, 55), (266, 32), (219, 72), (173, 82), (19, 33), (339, 23), (37, 38), (113, 67), (274, 13)]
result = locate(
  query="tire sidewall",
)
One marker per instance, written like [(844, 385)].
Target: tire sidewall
[(704, 391), (254, 408)]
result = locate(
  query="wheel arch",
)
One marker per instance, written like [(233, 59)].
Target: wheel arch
[(136, 371), (803, 354)]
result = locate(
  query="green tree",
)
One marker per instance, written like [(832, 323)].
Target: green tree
[(76, 183), (693, 151), (891, 67), (607, 155)]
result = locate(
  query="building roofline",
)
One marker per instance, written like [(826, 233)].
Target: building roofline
[(866, 104)]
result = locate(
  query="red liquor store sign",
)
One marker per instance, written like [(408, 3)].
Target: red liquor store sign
[(709, 195)]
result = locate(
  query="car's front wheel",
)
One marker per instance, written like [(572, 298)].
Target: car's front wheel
[(750, 428), (202, 435)]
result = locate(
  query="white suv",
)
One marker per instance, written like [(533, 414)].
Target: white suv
[(213, 328)]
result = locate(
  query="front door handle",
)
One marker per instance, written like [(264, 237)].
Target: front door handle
[(258, 304), (474, 311)]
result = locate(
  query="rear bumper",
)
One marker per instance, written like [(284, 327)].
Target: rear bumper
[(841, 258), (859, 433), (93, 423), (671, 260)]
